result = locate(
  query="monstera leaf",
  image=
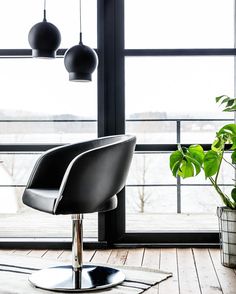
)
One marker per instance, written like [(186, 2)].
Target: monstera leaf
[(187, 162), (229, 103), (211, 163)]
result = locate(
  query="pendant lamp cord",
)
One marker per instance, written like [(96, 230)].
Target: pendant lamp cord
[(44, 11), (80, 22)]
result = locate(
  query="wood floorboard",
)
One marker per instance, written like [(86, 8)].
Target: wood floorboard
[(197, 271), (226, 276), (37, 253), (66, 255), (151, 257), (208, 280), (134, 257), (188, 278), (52, 254), (6, 251), (118, 256), (21, 252), (101, 256), (88, 255), (168, 262)]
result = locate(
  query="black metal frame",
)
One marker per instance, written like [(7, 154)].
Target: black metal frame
[(111, 120)]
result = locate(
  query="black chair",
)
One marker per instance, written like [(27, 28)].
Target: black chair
[(76, 179)]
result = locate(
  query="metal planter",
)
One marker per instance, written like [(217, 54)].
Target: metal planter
[(227, 226)]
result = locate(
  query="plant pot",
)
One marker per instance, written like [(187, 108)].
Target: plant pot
[(227, 226)]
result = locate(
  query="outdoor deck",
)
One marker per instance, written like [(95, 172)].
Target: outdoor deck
[(32, 223)]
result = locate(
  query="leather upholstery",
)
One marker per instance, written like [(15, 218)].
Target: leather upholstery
[(80, 178)]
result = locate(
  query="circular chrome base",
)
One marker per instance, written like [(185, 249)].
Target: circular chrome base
[(64, 278)]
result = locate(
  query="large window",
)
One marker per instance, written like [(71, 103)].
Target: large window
[(172, 75), (40, 107), (161, 63)]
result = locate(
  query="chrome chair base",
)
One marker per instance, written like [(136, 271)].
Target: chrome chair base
[(64, 278)]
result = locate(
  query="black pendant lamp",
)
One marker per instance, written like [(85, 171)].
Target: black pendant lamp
[(80, 60), (44, 38)]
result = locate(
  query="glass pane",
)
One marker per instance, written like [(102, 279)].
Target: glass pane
[(176, 88), (156, 132), (171, 222), (201, 200), (179, 24), (18, 220), (151, 199), (41, 91), (200, 131), (154, 209), (15, 169), (64, 14), (46, 132), (149, 169)]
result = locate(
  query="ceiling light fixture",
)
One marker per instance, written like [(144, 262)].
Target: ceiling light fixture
[(44, 38), (80, 60)]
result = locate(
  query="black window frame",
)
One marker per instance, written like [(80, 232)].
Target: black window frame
[(112, 99)]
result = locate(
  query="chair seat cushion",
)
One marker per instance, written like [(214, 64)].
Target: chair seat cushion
[(110, 204), (41, 199), (45, 199)]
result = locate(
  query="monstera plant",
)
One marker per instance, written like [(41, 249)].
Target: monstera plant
[(190, 161)]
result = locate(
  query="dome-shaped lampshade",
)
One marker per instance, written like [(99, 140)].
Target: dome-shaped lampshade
[(44, 38), (80, 61)]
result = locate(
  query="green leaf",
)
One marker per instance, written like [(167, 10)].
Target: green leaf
[(233, 147), (186, 170), (220, 97), (175, 162), (218, 144), (228, 131), (211, 163), (233, 194), (187, 162), (230, 109), (197, 152), (195, 165), (233, 157), (230, 102)]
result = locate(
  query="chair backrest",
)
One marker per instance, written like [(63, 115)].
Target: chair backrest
[(51, 166), (96, 174)]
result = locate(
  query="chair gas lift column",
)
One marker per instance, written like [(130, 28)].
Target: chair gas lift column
[(76, 179)]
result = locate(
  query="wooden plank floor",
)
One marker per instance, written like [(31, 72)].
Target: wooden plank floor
[(195, 270)]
